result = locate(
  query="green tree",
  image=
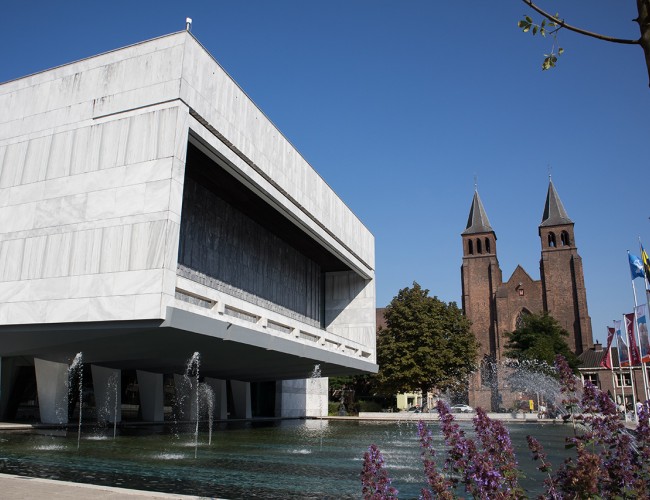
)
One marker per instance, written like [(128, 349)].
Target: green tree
[(427, 344), (552, 24), (540, 338)]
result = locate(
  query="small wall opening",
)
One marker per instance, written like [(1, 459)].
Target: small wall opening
[(564, 238), (551, 240)]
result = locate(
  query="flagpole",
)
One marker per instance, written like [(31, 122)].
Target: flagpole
[(611, 331), (620, 373), (629, 357), (611, 369), (638, 344)]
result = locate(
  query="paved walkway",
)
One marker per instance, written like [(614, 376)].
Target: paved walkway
[(30, 488)]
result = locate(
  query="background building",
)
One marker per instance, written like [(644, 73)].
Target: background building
[(616, 382), (494, 307), (149, 210)]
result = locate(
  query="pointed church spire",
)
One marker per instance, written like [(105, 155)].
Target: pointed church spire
[(554, 213), (477, 222)]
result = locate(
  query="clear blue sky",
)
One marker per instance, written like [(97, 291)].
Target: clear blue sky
[(399, 104)]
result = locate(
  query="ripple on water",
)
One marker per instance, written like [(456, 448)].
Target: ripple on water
[(50, 447), (301, 451), (169, 456)]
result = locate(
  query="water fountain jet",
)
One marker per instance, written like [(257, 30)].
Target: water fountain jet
[(76, 370)]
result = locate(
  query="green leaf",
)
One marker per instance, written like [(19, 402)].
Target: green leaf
[(535, 29), (530, 21), (549, 61), (560, 51)]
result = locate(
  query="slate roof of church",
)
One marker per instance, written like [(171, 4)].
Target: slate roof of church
[(477, 222), (554, 212)]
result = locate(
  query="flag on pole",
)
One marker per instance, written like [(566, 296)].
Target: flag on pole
[(635, 359), (646, 266), (642, 324), (623, 355), (606, 362), (636, 267)]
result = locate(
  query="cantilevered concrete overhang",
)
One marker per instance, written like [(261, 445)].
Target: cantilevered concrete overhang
[(227, 351)]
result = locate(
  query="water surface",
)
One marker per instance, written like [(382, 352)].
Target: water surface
[(294, 459)]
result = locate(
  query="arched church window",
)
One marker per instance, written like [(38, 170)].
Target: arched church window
[(519, 322), (470, 247), (551, 240), (488, 371), (478, 246), (487, 245), (564, 238)]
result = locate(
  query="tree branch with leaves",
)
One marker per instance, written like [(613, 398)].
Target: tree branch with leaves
[(552, 24)]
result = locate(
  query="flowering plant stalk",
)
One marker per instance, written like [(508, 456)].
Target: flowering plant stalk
[(609, 462), (440, 487), (606, 464), (376, 485)]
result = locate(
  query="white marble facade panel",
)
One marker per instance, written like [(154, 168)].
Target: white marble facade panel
[(137, 67), (91, 183), (11, 259)]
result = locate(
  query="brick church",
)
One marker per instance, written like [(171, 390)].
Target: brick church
[(495, 307)]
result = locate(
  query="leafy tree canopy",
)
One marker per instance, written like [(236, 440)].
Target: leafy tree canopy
[(540, 338), (427, 343)]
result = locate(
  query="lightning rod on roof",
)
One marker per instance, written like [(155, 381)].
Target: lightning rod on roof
[(188, 23)]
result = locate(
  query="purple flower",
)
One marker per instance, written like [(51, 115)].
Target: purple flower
[(375, 483), (441, 487)]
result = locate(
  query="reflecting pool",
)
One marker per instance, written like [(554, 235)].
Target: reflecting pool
[(290, 459)]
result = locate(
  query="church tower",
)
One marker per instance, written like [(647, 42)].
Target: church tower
[(564, 294), (481, 276), (496, 307)]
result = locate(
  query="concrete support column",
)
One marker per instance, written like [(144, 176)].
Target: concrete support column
[(185, 389), (220, 397), (293, 398), (107, 384), (317, 397), (52, 386), (304, 397), (241, 395), (151, 396)]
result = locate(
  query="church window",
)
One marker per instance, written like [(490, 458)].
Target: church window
[(521, 292), (519, 322), (564, 238), (470, 247), (478, 246), (551, 240), (487, 245), (488, 371)]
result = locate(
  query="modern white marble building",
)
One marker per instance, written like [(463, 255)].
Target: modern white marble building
[(149, 210)]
